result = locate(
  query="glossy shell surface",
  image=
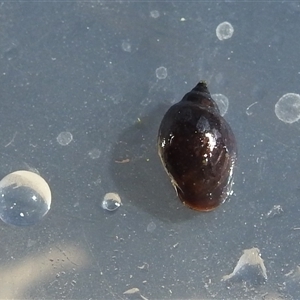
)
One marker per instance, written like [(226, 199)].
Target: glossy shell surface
[(198, 150)]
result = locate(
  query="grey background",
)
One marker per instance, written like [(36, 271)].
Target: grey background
[(63, 68)]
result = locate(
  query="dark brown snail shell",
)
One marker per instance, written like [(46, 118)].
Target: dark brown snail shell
[(198, 150)]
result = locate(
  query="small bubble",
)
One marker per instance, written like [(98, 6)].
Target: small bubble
[(94, 153), (111, 201), (161, 73), (151, 227), (224, 31), (222, 102), (287, 109), (154, 14), (25, 198), (64, 138), (126, 46)]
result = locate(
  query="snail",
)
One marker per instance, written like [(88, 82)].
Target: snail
[(198, 150)]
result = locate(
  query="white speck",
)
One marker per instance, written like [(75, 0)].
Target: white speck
[(276, 210), (146, 101), (97, 181), (126, 46), (73, 282), (175, 245), (151, 227), (182, 19), (248, 111), (222, 102), (21, 214), (64, 138), (154, 14), (161, 73), (224, 31), (287, 109), (111, 201), (135, 291), (12, 140), (94, 153)]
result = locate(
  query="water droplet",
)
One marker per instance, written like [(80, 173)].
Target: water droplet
[(287, 109), (161, 73), (222, 102), (151, 227), (126, 46), (64, 138), (224, 31), (94, 153), (25, 198), (111, 201), (154, 14)]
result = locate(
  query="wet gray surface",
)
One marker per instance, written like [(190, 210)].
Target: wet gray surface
[(106, 73)]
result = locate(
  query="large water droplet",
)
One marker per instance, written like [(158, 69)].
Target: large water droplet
[(25, 198), (64, 138), (224, 31), (287, 109), (111, 201)]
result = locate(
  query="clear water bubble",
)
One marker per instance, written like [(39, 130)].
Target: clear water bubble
[(94, 153), (161, 73), (151, 227), (224, 31), (64, 138), (25, 198), (111, 201), (126, 46), (154, 14), (287, 109), (222, 102)]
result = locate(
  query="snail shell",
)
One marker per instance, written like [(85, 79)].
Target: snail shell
[(198, 150)]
